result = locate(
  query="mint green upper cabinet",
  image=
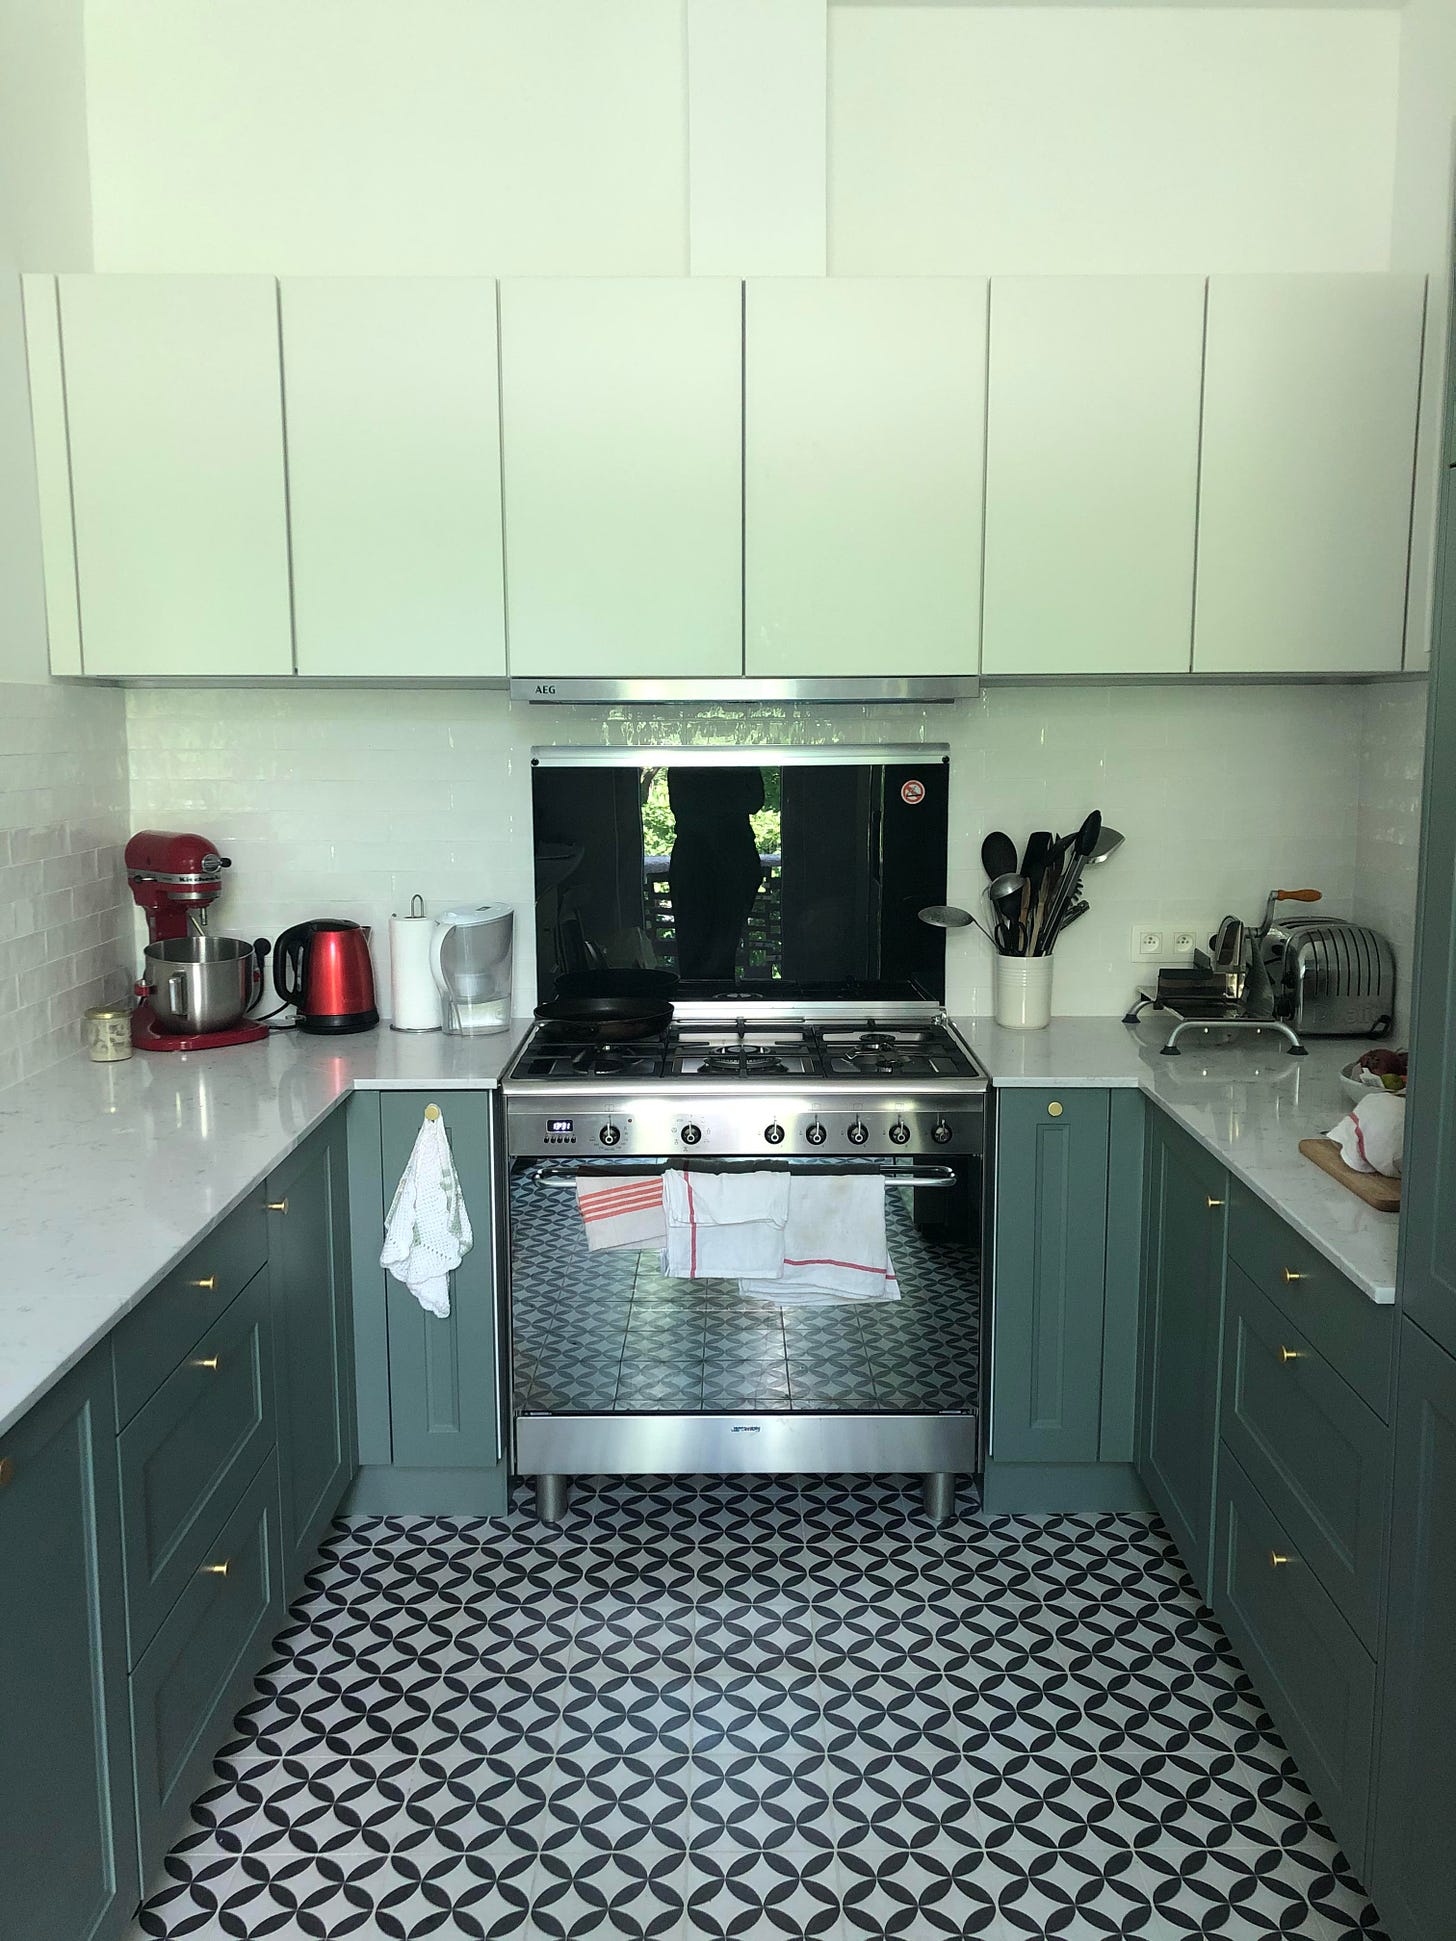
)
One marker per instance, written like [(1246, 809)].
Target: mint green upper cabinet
[(1091, 474), (621, 410), (52, 472), (394, 475), (68, 1856), (175, 415), (864, 444), (1309, 427)]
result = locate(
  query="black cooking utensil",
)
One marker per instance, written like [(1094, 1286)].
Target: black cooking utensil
[(603, 1020), (1005, 894), (998, 855), (1083, 843)]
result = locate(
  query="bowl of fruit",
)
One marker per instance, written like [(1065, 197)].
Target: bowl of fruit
[(1376, 1071)]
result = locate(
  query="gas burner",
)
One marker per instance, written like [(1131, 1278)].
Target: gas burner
[(874, 1061), (878, 1041)]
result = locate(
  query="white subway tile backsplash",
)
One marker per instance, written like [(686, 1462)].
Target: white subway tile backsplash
[(1387, 822)]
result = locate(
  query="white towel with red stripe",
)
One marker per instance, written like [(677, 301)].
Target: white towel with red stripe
[(835, 1251), (622, 1211), (723, 1226), (1372, 1138)]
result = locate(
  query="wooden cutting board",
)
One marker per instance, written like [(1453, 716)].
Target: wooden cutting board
[(1374, 1188)]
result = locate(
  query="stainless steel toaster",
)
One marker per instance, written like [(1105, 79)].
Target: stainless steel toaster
[(1330, 978)]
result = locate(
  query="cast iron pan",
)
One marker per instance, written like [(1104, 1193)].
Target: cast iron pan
[(604, 1019)]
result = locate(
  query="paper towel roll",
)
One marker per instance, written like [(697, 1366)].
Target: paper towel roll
[(414, 1002)]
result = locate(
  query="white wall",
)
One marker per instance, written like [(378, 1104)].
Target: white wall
[(45, 195), (347, 803), (1388, 821), (1046, 139)]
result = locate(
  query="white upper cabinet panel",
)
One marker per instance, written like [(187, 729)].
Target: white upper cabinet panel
[(1091, 474), (621, 407), (52, 472), (864, 449), (1309, 424), (174, 402), (394, 475)]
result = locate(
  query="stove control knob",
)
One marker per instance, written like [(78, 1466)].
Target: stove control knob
[(774, 1134), (899, 1133), (610, 1135), (940, 1133), (690, 1135), (816, 1135), (859, 1133)]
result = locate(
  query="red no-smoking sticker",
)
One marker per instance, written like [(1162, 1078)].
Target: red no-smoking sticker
[(912, 792)]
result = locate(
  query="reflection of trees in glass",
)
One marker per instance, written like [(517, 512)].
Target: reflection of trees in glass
[(657, 822)]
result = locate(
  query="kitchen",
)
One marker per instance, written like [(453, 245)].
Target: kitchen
[(959, 439)]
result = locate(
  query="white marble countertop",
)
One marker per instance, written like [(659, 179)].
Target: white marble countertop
[(1248, 1102), (110, 1174)]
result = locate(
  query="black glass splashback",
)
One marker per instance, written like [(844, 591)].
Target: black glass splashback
[(783, 881)]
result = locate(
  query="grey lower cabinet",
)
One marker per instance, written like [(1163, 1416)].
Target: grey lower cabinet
[(1064, 1300), (432, 1428), (68, 1849), (1183, 1278), (1413, 1872), (311, 1297)]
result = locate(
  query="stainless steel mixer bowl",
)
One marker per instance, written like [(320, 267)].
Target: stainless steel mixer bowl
[(201, 983)]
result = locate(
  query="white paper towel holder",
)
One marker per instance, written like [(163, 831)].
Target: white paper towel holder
[(418, 929)]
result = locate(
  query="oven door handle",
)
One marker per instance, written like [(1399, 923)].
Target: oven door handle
[(564, 1177)]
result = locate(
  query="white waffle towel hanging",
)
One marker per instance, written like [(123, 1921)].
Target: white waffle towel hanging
[(427, 1233)]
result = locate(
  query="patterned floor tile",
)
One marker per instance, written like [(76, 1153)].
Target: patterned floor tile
[(763, 1709)]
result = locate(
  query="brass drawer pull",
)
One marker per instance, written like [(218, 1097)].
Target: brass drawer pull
[(1054, 1110), (1213, 1203), (213, 1570), (1290, 1277), (1277, 1559), (207, 1361), (208, 1286), (7, 1470), (275, 1206), (1290, 1354)]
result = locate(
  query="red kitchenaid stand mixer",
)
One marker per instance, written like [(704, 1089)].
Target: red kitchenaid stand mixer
[(176, 878)]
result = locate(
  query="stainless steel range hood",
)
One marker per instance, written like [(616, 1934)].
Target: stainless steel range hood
[(878, 690)]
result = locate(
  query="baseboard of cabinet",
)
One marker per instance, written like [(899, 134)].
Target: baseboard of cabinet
[(382, 1489), (1045, 1488)]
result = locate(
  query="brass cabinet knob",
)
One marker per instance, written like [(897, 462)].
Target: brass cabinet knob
[(1212, 1202), (1277, 1559), (208, 1285), (7, 1470), (1290, 1354), (1054, 1110), (207, 1361), (213, 1570), (1290, 1277), (275, 1206)]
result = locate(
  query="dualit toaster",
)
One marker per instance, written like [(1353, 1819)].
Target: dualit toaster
[(1330, 978)]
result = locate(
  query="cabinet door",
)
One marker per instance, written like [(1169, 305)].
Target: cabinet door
[(1428, 1216), (68, 1854), (52, 472), (1051, 1232), (394, 475), (1092, 474), (1309, 428), (175, 409), (1183, 1272), (444, 1374), (621, 411), (308, 1269), (864, 447), (1414, 1872)]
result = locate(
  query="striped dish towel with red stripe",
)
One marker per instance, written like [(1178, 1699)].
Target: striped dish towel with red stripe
[(622, 1212)]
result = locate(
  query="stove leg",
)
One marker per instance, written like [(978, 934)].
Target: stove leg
[(939, 1491), (553, 1493)]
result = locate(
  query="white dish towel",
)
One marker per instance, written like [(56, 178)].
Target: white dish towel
[(835, 1249), (722, 1226), (427, 1233), (1372, 1138), (623, 1211)]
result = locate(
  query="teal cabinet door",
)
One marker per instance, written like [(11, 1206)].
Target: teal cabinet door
[(308, 1272), (1414, 1873), (444, 1374), (68, 1851), (1183, 1274), (1049, 1275)]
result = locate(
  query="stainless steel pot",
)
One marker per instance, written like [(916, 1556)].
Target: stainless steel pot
[(201, 983)]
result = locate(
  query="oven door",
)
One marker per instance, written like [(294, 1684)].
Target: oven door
[(620, 1369)]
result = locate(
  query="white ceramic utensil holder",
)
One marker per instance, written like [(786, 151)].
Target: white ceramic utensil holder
[(1023, 992)]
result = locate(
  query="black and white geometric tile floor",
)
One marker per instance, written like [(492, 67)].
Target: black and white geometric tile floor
[(762, 1709)]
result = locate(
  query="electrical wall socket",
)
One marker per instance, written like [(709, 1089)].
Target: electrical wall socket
[(1147, 943), (1184, 943)]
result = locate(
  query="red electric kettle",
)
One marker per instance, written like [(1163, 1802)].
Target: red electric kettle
[(322, 967)]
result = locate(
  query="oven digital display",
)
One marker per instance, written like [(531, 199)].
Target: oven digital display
[(563, 1128)]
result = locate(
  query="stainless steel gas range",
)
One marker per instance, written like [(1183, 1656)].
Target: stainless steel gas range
[(810, 1039)]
